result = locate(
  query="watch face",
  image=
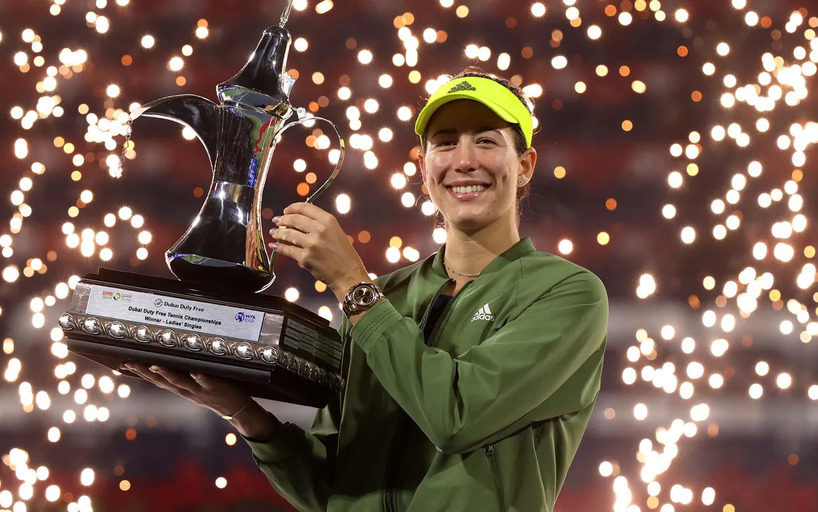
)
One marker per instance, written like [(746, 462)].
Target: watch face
[(360, 298), (363, 295)]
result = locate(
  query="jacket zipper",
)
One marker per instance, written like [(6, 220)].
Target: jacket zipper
[(389, 502), (490, 453)]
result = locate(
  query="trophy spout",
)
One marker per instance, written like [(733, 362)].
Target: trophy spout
[(196, 112)]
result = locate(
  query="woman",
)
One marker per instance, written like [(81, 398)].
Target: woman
[(471, 375)]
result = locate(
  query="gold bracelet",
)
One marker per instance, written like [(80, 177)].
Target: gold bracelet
[(229, 417)]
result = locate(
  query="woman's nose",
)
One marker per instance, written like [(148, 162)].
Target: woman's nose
[(465, 156)]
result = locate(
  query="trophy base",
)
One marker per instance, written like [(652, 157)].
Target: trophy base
[(267, 346)]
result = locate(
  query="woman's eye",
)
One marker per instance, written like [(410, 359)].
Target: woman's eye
[(486, 141)]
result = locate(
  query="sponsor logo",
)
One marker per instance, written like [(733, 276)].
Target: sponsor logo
[(247, 318), (157, 302), (109, 294), (462, 86), (484, 313)]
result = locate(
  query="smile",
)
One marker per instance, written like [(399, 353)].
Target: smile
[(469, 189)]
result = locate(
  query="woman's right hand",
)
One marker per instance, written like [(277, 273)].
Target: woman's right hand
[(219, 395)]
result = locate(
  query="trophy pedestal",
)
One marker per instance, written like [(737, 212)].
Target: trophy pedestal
[(268, 346)]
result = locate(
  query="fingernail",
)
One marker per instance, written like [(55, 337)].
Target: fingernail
[(273, 246), (154, 368), (196, 375), (276, 219)]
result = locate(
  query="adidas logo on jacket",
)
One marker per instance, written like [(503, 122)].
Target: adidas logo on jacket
[(483, 313)]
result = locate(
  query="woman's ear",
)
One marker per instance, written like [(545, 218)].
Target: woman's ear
[(528, 161), (422, 165)]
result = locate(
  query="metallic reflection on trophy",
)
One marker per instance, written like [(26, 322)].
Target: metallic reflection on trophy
[(212, 321), (224, 245)]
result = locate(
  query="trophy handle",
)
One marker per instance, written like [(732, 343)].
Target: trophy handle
[(303, 119)]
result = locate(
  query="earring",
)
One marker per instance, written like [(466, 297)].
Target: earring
[(519, 182)]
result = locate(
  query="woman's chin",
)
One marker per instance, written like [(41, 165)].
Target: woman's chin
[(469, 223)]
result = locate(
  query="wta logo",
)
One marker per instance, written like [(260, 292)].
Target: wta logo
[(243, 317)]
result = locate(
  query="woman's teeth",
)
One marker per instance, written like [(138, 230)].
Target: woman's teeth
[(471, 189)]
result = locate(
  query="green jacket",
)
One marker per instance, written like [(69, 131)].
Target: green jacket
[(487, 416)]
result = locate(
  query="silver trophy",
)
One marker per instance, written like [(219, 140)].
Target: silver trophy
[(224, 245), (210, 320)]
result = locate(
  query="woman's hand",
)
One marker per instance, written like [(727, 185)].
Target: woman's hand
[(218, 395), (313, 238)]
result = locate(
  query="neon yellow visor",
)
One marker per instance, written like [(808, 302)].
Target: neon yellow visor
[(495, 96)]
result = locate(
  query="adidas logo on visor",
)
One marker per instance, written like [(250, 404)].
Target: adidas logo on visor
[(462, 86), (483, 313)]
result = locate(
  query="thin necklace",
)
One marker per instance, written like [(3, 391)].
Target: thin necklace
[(450, 269)]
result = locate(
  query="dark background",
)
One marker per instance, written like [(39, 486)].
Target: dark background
[(758, 455)]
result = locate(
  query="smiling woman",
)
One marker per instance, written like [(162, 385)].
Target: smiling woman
[(477, 161), (471, 375), (473, 170), (510, 111)]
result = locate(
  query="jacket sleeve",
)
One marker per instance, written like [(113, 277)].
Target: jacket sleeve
[(300, 465), (546, 361)]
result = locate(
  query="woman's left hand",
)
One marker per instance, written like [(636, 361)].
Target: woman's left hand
[(313, 238)]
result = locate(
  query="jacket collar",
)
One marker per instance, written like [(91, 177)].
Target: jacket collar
[(522, 248)]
